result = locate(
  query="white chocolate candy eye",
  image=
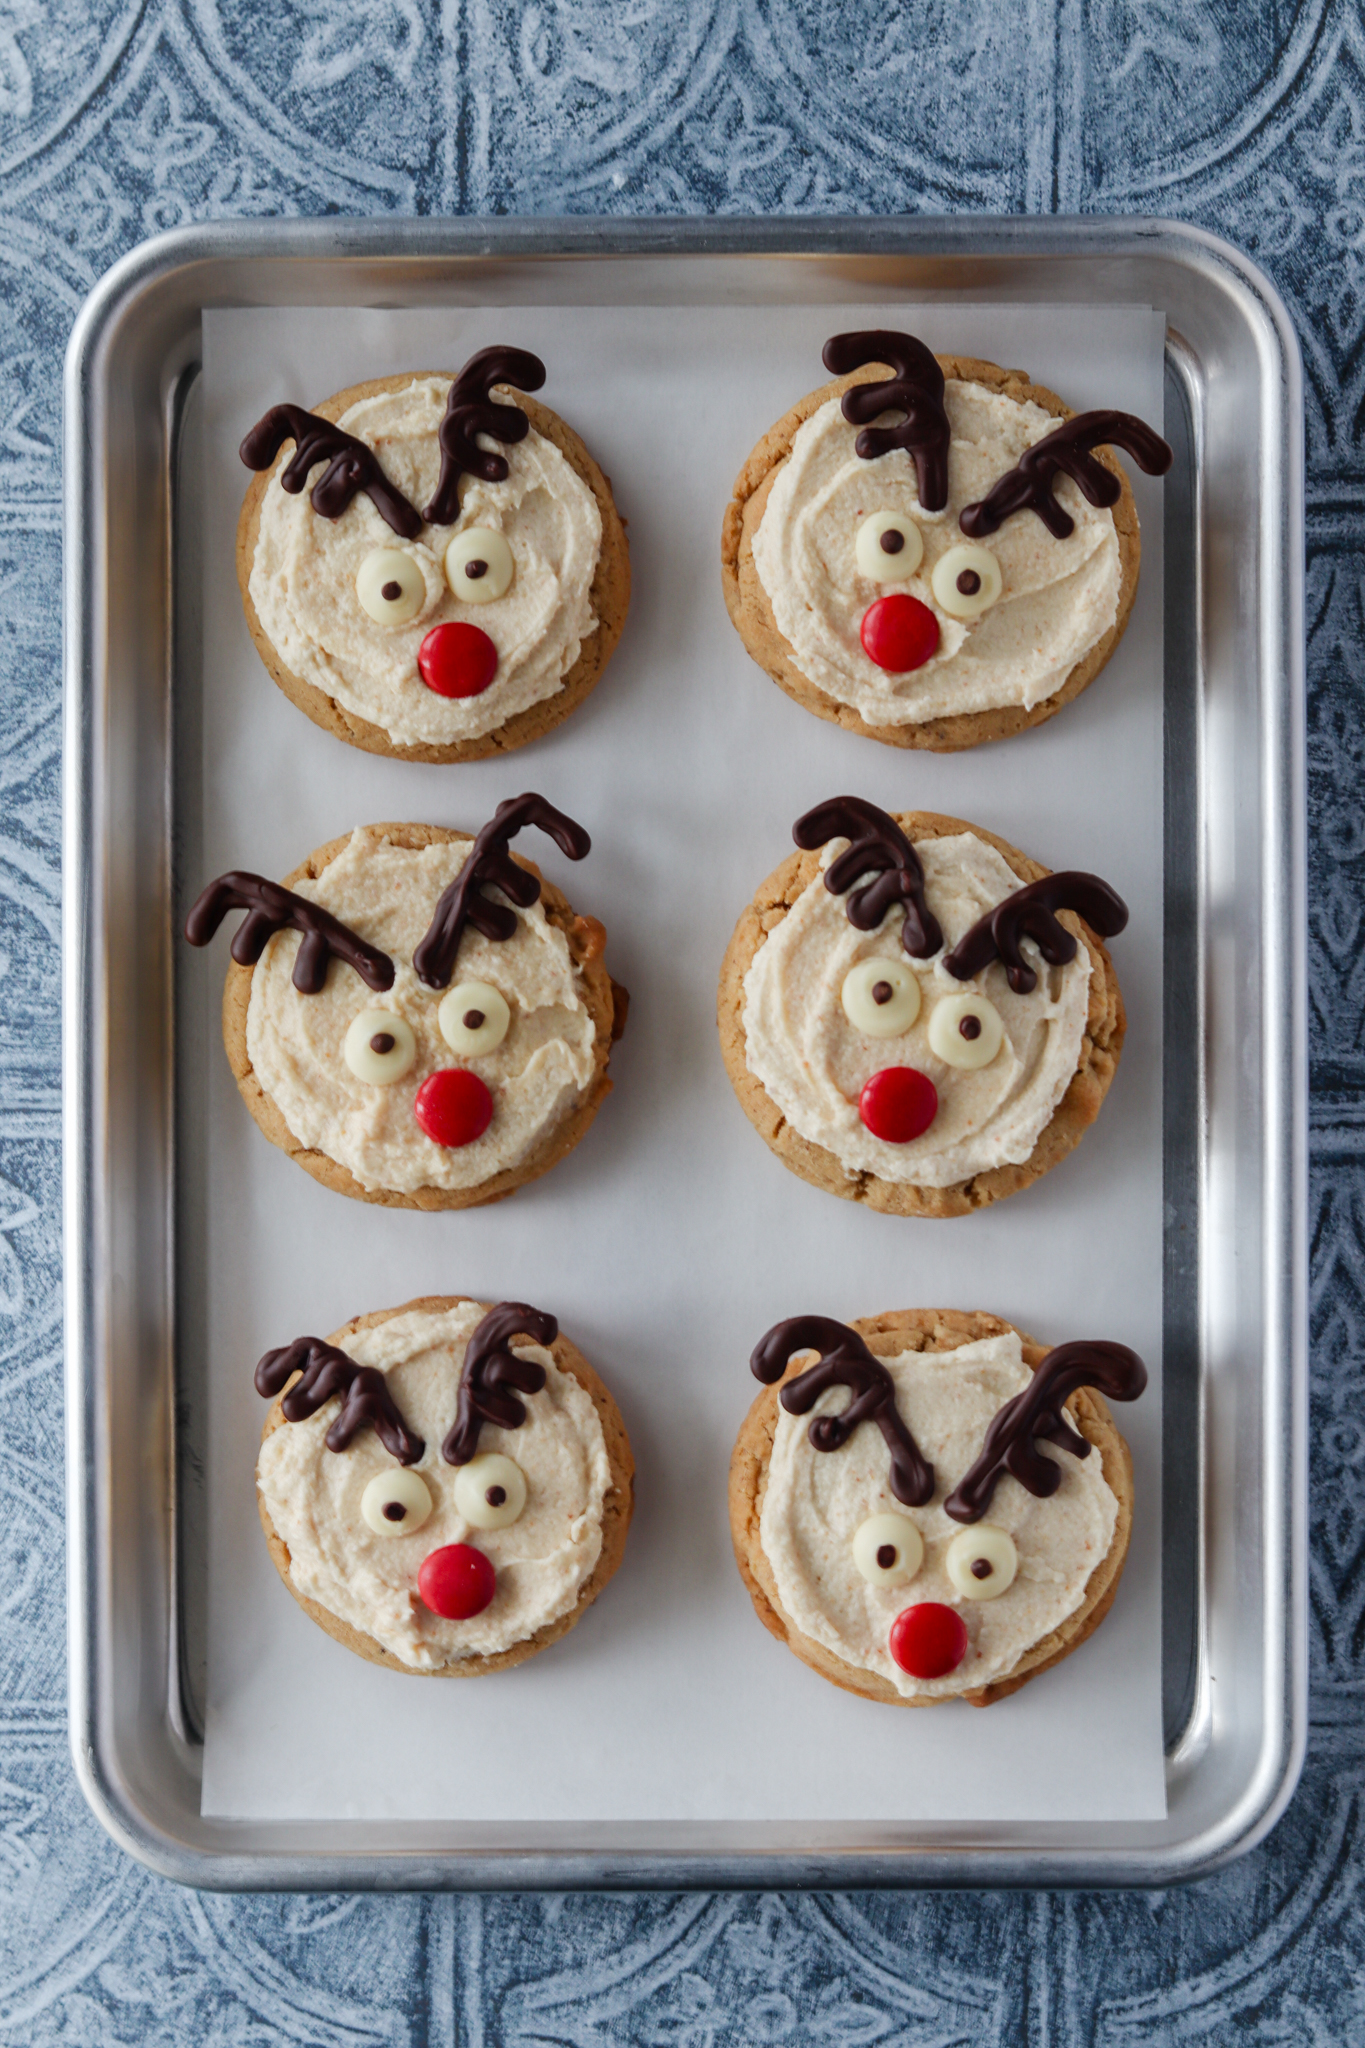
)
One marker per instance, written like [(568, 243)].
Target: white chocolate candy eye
[(981, 1562), (888, 548), (379, 1047), (881, 997), (490, 1491), (395, 1503), (966, 581), (391, 587), (888, 1550), (474, 1018), (478, 565), (965, 1031)]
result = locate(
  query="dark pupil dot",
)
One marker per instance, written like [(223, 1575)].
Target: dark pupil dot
[(886, 1556), (882, 992), (982, 1568), (473, 570), (382, 1042), (892, 542), (473, 1019), (391, 590), (495, 1496), (394, 1511), (969, 583), (970, 1027)]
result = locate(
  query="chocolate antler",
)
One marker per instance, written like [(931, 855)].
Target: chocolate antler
[(351, 466), (845, 1361), (916, 388), (492, 1371), (1029, 485), (1029, 913), (490, 865), (364, 1391), (880, 845), (1037, 1412), (271, 908), (471, 411)]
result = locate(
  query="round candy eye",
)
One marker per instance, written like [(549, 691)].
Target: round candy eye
[(490, 1491), (966, 581), (888, 548), (881, 997), (479, 565), (395, 1503), (391, 587), (379, 1047), (888, 1550), (965, 1031), (981, 1562), (474, 1018)]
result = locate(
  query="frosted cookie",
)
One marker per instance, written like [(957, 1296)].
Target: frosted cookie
[(449, 633), (968, 1541), (905, 1025), (445, 1488), (919, 552), (416, 1017)]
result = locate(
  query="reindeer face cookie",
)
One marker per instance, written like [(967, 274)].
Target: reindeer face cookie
[(919, 1514), (428, 570), (908, 1027), (929, 557)]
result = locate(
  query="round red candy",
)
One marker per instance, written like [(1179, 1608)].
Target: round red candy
[(929, 1640), (453, 1107), (899, 633), (898, 1104), (457, 1581), (457, 660)]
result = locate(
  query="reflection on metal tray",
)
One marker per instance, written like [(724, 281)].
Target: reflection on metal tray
[(1234, 1321)]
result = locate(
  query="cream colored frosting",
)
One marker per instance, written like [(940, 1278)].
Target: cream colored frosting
[(543, 1560), (302, 580), (816, 1500), (536, 1076), (801, 1046), (1060, 597)]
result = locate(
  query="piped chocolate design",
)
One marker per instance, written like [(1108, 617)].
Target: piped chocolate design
[(272, 908), (494, 1377), (351, 466), (1010, 1445), (915, 388), (845, 1361), (490, 865), (471, 411), (878, 846), (1030, 913), (1065, 451), (364, 1391)]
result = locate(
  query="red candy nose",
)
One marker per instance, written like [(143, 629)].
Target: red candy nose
[(899, 633), (457, 660), (458, 1581), (453, 1107), (898, 1104), (928, 1641)]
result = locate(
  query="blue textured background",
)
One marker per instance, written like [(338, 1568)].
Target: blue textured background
[(121, 117)]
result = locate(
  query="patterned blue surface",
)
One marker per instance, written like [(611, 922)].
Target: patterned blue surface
[(121, 117)]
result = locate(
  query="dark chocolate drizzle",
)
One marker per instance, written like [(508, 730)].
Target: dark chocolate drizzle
[(490, 865), (364, 1392), (916, 388), (1029, 485), (494, 1377), (272, 908), (845, 1361), (878, 846), (1010, 1445), (470, 411), (1029, 914), (351, 466)]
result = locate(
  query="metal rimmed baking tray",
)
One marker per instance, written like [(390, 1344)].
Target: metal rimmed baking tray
[(1233, 1316)]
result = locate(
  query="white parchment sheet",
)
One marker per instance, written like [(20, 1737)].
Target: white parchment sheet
[(671, 1239)]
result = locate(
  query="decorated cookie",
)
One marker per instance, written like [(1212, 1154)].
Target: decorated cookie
[(430, 571), (918, 1511), (445, 1487), (905, 1025), (920, 552), (416, 1017)]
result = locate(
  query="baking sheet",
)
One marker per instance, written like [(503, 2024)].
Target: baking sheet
[(671, 1238)]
